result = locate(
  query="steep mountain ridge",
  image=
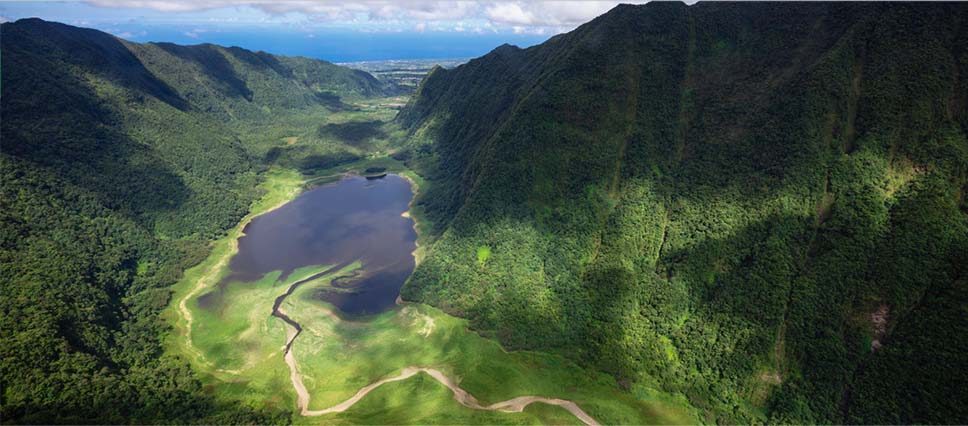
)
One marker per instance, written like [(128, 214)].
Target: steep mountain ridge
[(714, 199), (165, 106), (118, 162)]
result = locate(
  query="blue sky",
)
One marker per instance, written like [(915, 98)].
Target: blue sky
[(335, 31)]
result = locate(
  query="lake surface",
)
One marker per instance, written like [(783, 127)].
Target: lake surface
[(337, 224)]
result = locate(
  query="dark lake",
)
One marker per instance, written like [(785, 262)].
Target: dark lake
[(337, 224)]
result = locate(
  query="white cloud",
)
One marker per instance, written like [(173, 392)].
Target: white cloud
[(163, 5), (547, 13), (522, 17), (422, 10), (508, 13), (196, 32)]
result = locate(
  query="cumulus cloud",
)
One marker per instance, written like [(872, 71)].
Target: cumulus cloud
[(546, 13), (509, 13), (163, 5), (423, 10), (456, 15), (374, 9)]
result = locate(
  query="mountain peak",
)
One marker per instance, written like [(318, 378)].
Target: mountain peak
[(31, 20), (506, 48)]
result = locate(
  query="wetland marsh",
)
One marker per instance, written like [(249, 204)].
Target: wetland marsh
[(298, 310)]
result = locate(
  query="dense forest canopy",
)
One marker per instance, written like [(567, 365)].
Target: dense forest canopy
[(119, 161), (761, 206)]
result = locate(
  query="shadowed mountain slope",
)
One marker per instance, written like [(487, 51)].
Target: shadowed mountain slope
[(761, 206), (118, 162)]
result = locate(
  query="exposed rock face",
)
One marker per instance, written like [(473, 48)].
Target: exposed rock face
[(879, 321)]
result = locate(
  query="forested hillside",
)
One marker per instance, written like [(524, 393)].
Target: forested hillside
[(761, 206), (119, 161)]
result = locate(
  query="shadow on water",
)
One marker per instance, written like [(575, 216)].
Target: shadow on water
[(352, 220)]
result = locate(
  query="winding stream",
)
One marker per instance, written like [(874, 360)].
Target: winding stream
[(276, 312), (352, 220)]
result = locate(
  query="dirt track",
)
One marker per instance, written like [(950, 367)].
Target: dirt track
[(514, 405), (208, 279)]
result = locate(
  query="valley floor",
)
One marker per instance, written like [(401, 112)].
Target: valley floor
[(366, 370)]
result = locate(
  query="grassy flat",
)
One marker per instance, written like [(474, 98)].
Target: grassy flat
[(237, 344), (243, 346), (343, 356)]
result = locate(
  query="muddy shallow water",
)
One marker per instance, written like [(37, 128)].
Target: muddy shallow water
[(336, 224)]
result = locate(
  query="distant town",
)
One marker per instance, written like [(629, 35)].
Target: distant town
[(403, 74)]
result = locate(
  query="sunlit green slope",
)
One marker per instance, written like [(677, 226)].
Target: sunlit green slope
[(759, 205)]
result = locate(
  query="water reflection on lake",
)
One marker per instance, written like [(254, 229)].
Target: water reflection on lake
[(353, 219)]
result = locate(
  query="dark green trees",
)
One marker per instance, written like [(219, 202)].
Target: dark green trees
[(118, 161), (716, 199)]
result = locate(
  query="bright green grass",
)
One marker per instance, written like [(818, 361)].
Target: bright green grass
[(244, 343), (483, 252), (421, 400), (244, 347), (239, 349), (279, 186), (339, 357)]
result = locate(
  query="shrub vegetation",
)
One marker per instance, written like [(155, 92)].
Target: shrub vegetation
[(718, 198)]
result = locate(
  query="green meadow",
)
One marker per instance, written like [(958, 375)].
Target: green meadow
[(340, 356), (243, 344), (238, 346)]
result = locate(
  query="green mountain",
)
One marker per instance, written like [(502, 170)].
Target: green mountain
[(119, 161), (761, 206)]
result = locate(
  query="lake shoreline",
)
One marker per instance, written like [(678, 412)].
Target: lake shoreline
[(281, 189)]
